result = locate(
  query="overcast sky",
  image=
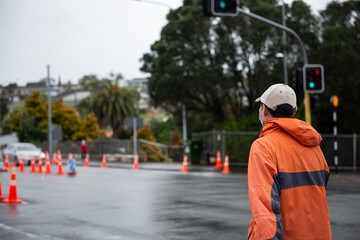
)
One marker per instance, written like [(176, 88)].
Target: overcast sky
[(81, 37)]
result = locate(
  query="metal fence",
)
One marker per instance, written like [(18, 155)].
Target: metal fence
[(120, 150), (237, 145)]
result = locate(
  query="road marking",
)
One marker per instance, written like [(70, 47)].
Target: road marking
[(12, 229)]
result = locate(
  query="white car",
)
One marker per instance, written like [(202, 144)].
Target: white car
[(24, 150)]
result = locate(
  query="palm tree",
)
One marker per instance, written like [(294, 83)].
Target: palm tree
[(113, 104)]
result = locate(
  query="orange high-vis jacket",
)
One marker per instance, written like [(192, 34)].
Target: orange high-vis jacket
[(287, 176)]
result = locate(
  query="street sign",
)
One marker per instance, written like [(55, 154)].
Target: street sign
[(130, 122)]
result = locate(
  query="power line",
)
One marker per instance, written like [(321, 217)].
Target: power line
[(153, 2)]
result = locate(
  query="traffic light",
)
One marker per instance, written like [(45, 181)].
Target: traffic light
[(314, 78), (315, 103), (298, 82), (220, 7)]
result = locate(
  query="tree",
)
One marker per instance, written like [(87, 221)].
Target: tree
[(153, 152), (113, 104), (89, 129), (3, 108), (66, 117), (73, 126), (339, 53), (30, 121), (23, 123), (36, 106), (217, 68)]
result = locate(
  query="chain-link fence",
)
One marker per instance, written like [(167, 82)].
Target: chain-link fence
[(237, 145), (120, 150)]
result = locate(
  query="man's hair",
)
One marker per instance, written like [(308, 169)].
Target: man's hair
[(282, 111)]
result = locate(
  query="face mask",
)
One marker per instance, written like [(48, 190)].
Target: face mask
[(262, 124)]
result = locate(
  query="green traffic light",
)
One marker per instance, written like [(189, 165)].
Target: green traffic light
[(222, 4), (311, 84)]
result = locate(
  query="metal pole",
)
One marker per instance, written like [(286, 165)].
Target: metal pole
[(0, 111), (184, 124), (49, 111), (305, 59), (134, 132), (354, 150), (284, 45), (223, 144), (166, 154), (336, 159)]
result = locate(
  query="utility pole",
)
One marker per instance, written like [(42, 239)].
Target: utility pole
[(135, 135), (286, 81), (49, 111), (184, 128)]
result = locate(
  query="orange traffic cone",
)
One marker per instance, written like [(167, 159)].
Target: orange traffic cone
[(7, 165), (59, 155), (1, 196), (103, 164), (136, 162), (54, 159), (226, 165), (13, 167), (12, 198), (33, 166), (40, 165), (21, 164), (86, 162), (185, 164), (70, 155), (48, 167), (60, 167), (145, 157), (218, 160)]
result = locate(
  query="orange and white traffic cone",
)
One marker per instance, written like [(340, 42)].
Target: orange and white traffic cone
[(33, 165), (12, 197), (40, 165), (13, 167), (59, 155), (218, 160), (7, 165), (47, 166), (185, 164), (70, 155), (226, 165), (21, 164), (54, 159), (103, 164), (60, 167), (1, 196), (136, 162), (86, 162)]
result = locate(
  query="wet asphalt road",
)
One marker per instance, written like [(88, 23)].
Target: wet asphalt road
[(117, 203)]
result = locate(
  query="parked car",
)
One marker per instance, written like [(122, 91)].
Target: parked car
[(24, 150)]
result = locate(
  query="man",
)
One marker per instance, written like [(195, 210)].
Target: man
[(83, 149), (287, 173)]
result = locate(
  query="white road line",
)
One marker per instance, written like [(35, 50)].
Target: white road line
[(12, 229)]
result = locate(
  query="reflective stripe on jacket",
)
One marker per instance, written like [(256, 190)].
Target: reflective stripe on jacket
[(287, 176)]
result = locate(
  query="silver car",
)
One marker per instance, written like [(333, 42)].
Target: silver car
[(24, 150)]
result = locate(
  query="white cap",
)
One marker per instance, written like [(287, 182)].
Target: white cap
[(276, 95)]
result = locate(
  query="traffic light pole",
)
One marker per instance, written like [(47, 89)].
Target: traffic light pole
[(305, 59), (49, 111)]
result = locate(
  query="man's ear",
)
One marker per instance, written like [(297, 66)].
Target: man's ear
[(294, 112), (266, 111)]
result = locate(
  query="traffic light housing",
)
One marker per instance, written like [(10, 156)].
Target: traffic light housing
[(298, 82), (220, 8), (314, 78)]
